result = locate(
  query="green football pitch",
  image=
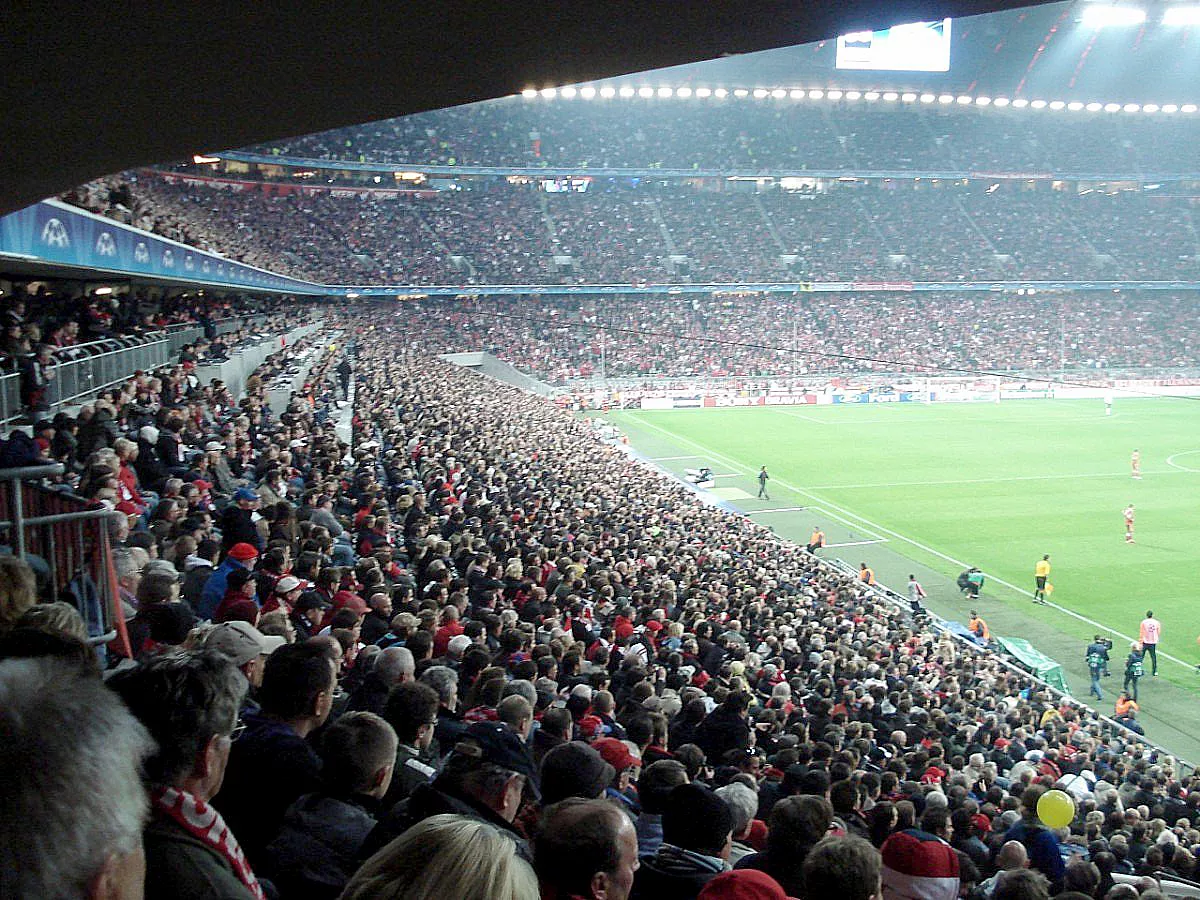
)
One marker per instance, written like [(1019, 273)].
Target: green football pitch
[(931, 489)]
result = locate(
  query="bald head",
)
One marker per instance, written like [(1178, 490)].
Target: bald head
[(1012, 856)]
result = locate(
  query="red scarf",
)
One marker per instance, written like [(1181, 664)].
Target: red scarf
[(205, 824)]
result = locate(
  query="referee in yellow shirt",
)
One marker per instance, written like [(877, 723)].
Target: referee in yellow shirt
[(1041, 574)]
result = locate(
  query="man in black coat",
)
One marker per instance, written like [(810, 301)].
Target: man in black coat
[(726, 728), (237, 521)]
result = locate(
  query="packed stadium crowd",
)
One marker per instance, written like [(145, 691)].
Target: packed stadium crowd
[(557, 339), (762, 136), (475, 645), (496, 233)]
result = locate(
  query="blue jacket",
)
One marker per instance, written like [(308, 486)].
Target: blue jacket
[(214, 588), (1042, 846)]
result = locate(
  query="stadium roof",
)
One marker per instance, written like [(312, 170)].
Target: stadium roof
[(95, 92)]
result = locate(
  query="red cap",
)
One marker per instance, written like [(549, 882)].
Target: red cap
[(243, 552), (616, 754), (743, 884)]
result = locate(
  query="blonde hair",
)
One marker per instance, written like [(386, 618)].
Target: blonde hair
[(18, 590), (55, 618), (478, 859)]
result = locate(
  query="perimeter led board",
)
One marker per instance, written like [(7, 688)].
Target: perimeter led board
[(919, 47)]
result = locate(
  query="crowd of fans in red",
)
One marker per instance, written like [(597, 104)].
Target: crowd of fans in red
[(479, 646), (642, 336)]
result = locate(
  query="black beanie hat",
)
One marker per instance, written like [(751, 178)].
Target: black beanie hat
[(696, 819)]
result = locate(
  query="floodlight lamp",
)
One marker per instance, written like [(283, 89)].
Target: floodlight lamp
[(1188, 108), (645, 92), (703, 93), (906, 97), (816, 95), (1181, 15), (1150, 108), (1103, 16), (999, 101), (1019, 102), (1094, 106), (529, 93), (853, 95), (946, 98), (871, 96), (1037, 104), (927, 98), (741, 92), (627, 91), (797, 93), (720, 93), (1075, 106), (1112, 107), (549, 93), (569, 93), (587, 93), (760, 93), (778, 93), (1058, 104), (608, 92), (1131, 107), (891, 96), (834, 95), (683, 92), (963, 100), (1170, 108), (665, 92)]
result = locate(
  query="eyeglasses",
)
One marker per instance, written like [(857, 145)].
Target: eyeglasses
[(238, 731)]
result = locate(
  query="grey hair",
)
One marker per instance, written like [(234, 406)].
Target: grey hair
[(393, 663), (442, 679), (124, 564), (742, 800), (185, 699), (522, 688), (71, 754)]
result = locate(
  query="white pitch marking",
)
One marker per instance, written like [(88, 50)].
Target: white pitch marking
[(857, 543), (950, 559), (668, 458), (796, 415), (755, 512), (1174, 456), (890, 484)]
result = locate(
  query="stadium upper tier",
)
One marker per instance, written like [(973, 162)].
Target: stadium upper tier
[(910, 132), (499, 233)]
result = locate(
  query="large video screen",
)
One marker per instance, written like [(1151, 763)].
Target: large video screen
[(919, 47)]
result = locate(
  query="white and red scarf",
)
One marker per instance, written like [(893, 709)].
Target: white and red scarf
[(205, 824)]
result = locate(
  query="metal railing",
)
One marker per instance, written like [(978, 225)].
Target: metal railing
[(84, 370), (69, 540)]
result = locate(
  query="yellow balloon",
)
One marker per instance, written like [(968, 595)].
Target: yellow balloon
[(1056, 809)]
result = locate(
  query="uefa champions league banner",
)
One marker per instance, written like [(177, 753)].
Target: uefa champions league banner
[(54, 232)]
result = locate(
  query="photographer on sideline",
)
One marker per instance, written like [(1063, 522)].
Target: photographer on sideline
[(1097, 663)]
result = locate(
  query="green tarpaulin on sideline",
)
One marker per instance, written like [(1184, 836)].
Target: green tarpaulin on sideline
[(1042, 666)]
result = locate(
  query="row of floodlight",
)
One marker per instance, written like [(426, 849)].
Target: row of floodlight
[(607, 92), (1103, 15)]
